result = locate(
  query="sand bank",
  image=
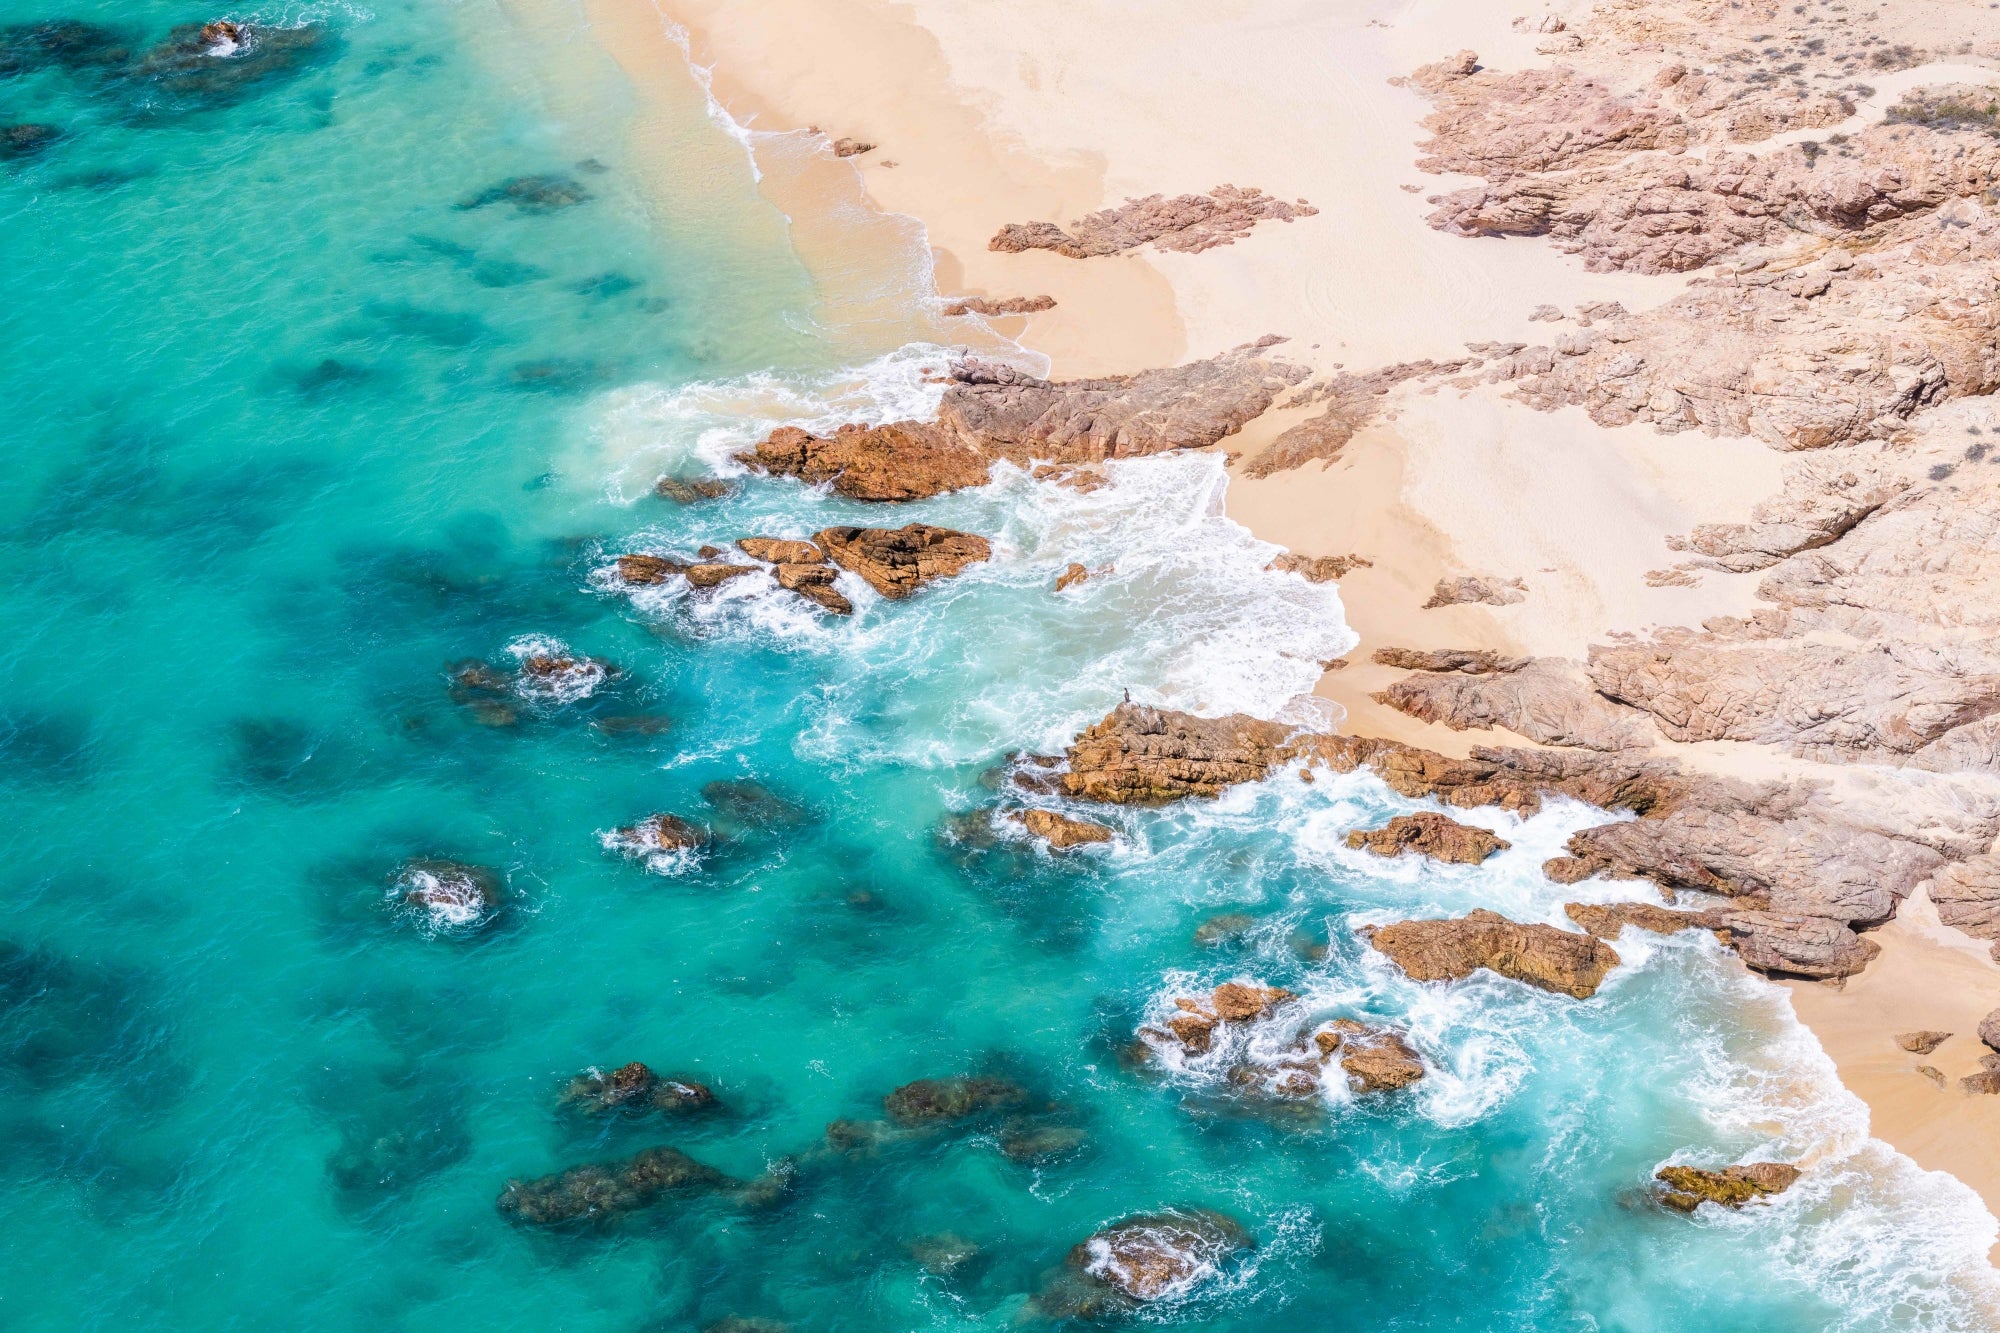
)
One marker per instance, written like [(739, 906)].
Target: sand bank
[(1039, 110)]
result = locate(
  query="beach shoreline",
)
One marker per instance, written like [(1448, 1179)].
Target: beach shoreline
[(980, 119)]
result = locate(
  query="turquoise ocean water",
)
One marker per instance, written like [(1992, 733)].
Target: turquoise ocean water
[(293, 421)]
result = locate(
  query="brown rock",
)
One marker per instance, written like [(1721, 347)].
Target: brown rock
[(1318, 568), (1235, 1002), (1148, 1257), (1688, 1187), (603, 1193), (851, 147), (1147, 756), (1188, 222), (1921, 1043), (634, 1088), (1491, 590), (815, 583), (1472, 661), (1607, 920), (647, 570), (1379, 1060), (1012, 305), (714, 575), (1072, 575), (1544, 699), (897, 561), (450, 891), (1060, 831), (778, 551), (658, 833), (1541, 956), (902, 461), (1224, 928), (1989, 1030), (1194, 1029), (1431, 835)]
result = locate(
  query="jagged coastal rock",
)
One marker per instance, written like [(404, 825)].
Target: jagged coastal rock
[(1686, 1188), (1187, 222), (1059, 830), (1451, 950), (993, 412), (897, 561), (1608, 920), (1429, 834)]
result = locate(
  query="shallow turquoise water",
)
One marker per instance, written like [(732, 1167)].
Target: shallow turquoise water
[(289, 430)]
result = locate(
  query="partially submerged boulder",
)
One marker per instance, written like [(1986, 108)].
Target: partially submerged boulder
[(1140, 1260), (897, 561), (1451, 950), (646, 571), (1432, 835), (634, 1089), (607, 1191), (1060, 831), (449, 893), (657, 839), (1686, 1188), (935, 1100), (1148, 756)]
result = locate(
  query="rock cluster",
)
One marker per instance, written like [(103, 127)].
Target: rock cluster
[(1686, 1188), (1027, 1133), (1374, 1059), (1186, 222), (993, 412), (897, 561), (634, 1089), (1451, 950), (1429, 834)]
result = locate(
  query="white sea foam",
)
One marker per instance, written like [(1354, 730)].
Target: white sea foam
[(559, 676)]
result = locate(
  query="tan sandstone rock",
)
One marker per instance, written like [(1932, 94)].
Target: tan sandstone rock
[(1432, 835), (1451, 950)]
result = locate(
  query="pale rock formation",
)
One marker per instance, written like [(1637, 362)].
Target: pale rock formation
[(1187, 222)]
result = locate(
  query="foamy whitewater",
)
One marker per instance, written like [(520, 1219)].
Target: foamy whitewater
[(265, 1063)]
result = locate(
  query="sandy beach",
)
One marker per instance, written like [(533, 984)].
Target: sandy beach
[(982, 115)]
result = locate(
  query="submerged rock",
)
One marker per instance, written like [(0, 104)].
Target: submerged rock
[(1060, 831), (532, 194), (66, 44), (657, 835), (449, 893), (1142, 1259), (607, 1191), (1686, 1188), (943, 1253), (942, 1100), (634, 1089), (1432, 835), (1036, 1142), (1224, 928), (216, 62), (27, 140), (687, 491), (1451, 950), (897, 561)]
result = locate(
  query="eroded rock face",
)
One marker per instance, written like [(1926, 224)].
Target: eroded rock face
[(634, 1089), (1608, 920), (1686, 1188), (1187, 222), (1451, 950), (897, 561), (1545, 700), (993, 412), (1142, 1259), (1800, 946), (1060, 831), (1429, 834)]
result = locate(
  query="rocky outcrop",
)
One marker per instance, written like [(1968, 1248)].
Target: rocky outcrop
[(27, 139), (1472, 661), (993, 412), (1374, 1059), (657, 836), (532, 194), (647, 571), (1543, 699), (946, 1100), (1798, 946), (1060, 831), (1451, 950), (1011, 305), (1429, 834), (1608, 920), (1188, 222), (1148, 756), (1352, 401), (1487, 589), (897, 561), (1686, 1188), (633, 1089), (1140, 1260)]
